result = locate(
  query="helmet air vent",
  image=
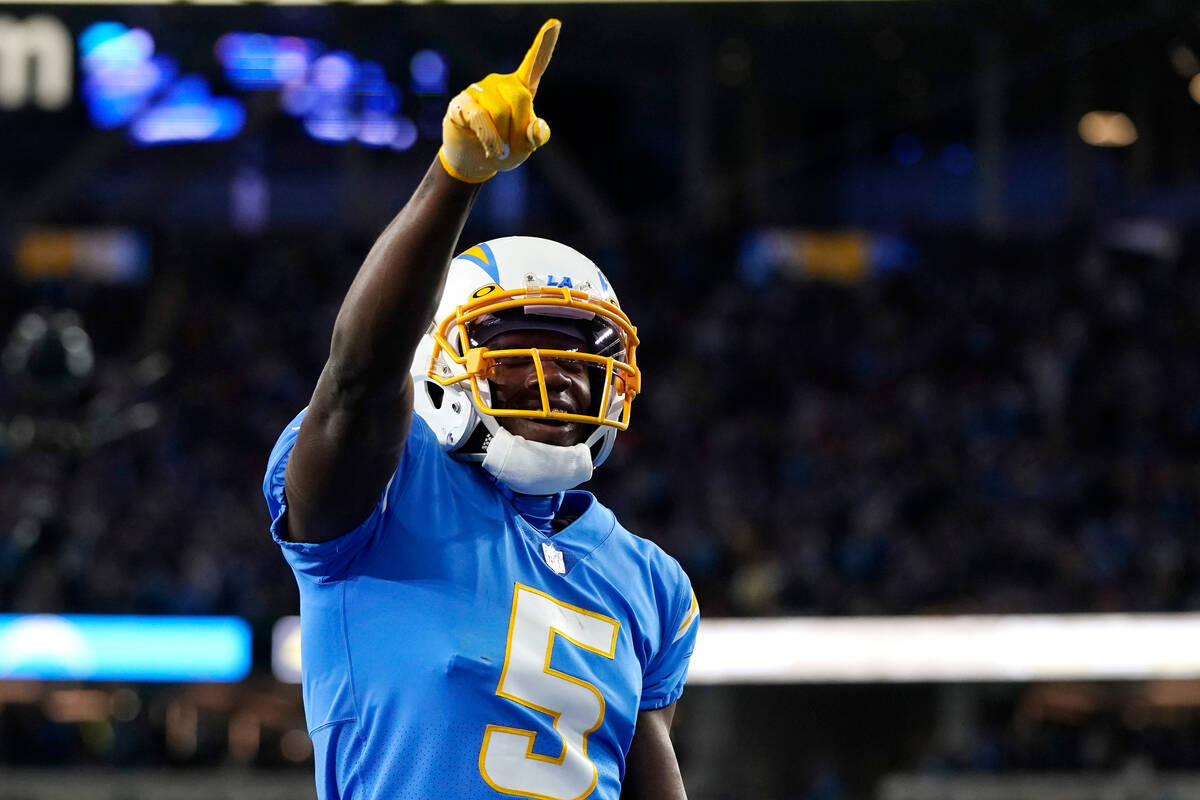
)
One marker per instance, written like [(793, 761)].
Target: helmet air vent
[(436, 393)]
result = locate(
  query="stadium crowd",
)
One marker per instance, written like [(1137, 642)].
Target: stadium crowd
[(1005, 428), (1000, 428)]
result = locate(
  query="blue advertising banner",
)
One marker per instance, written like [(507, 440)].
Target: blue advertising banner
[(123, 648)]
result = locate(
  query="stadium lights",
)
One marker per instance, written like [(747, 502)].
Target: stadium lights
[(1194, 87), (1023, 647), (947, 649), (1107, 129), (91, 647)]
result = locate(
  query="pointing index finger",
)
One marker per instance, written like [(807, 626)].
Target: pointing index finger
[(538, 56)]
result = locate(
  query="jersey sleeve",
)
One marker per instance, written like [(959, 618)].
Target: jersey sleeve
[(329, 561), (665, 675)]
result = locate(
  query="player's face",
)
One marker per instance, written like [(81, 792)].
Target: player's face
[(515, 385)]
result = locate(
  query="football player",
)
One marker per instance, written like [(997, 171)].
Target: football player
[(471, 627)]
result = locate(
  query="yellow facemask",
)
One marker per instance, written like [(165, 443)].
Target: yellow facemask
[(622, 378)]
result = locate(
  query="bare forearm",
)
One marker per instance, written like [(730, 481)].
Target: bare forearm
[(664, 785), (652, 769), (392, 298)]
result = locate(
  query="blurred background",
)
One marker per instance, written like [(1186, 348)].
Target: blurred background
[(919, 290)]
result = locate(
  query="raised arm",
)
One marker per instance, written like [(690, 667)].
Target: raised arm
[(358, 418)]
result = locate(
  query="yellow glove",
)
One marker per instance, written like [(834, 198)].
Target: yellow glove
[(490, 126)]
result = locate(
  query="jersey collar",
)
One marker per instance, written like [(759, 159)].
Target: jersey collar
[(578, 540)]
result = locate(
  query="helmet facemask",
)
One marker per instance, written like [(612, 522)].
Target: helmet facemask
[(607, 350)]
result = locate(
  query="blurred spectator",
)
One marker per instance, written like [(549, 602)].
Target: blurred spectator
[(1009, 429)]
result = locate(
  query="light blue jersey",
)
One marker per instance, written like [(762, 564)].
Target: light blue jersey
[(452, 651)]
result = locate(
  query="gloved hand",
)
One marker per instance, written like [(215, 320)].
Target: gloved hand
[(490, 126)]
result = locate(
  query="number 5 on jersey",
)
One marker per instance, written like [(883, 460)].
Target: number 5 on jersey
[(506, 759)]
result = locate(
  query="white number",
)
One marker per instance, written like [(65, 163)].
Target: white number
[(506, 759)]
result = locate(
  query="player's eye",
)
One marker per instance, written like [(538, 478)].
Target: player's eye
[(572, 365), (512, 362)]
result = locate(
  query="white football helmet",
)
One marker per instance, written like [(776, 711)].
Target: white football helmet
[(522, 283)]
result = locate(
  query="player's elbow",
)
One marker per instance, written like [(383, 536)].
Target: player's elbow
[(352, 383)]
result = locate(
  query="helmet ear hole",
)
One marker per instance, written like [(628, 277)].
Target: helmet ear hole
[(436, 394)]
